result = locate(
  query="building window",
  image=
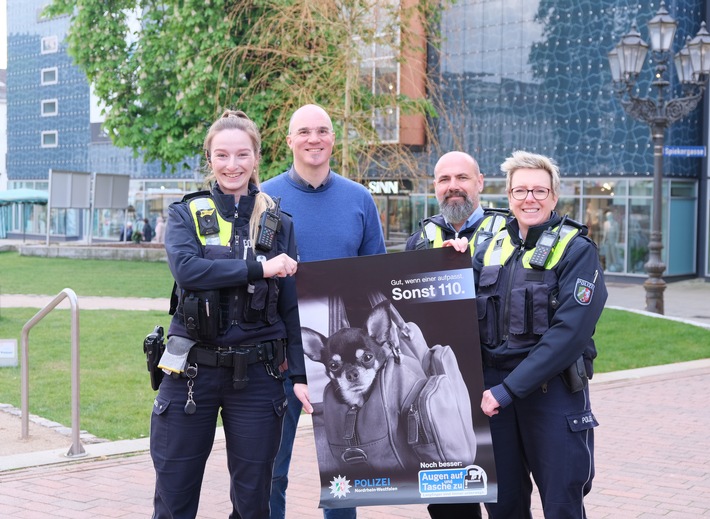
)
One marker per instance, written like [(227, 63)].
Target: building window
[(379, 70), (49, 107), (49, 76), (50, 44), (50, 139)]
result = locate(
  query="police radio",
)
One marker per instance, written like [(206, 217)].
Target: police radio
[(269, 225), (543, 248)]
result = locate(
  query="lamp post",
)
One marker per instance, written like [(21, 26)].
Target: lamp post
[(692, 65)]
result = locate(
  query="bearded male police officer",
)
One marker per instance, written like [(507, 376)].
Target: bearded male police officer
[(458, 183)]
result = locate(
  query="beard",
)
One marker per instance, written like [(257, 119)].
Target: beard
[(456, 212)]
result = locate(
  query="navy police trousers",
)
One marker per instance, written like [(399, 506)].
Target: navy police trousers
[(180, 443), (550, 434)]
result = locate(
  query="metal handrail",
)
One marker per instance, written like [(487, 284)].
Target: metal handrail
[(76, 449)]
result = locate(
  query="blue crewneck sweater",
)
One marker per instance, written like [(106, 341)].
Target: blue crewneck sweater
[(336, 220)]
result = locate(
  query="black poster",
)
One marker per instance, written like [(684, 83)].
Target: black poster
[(394, 372)]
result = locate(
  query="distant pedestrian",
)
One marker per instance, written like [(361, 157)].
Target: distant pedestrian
[(160, 230), (147, 231), (126, 233)]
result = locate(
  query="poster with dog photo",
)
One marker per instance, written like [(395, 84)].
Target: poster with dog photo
[(394, 373)]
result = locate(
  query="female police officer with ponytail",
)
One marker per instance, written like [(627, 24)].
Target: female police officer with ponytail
[(235, 321)]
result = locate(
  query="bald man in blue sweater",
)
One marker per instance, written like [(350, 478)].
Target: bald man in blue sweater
[(333, 217)]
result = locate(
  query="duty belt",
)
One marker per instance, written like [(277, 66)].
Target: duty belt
[(226, 357)]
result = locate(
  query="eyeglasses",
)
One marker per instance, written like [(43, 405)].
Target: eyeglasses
[(322, 131), (539, 193)]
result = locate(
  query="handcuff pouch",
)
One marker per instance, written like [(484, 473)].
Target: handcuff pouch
[(575, 376), (201, 314)]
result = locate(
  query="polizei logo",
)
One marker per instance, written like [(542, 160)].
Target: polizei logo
[(373, 485), (340, 487)]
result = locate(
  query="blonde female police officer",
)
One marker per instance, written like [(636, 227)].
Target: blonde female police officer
[(540, 292), (235, 321)]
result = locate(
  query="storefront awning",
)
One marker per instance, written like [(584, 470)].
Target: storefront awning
[(23, 196)]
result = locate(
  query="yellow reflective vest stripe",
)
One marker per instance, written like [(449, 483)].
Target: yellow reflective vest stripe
[(205, 205), (439, 240), (501, 248), (491, 223)]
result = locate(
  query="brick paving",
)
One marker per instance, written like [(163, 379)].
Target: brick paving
[(652, 462), (652, 446)]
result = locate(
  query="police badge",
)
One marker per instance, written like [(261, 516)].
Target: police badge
[(583, 291)]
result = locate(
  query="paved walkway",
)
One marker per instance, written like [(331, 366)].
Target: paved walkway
[(652, 450)]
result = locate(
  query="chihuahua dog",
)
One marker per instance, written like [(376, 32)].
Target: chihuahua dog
[(353, 356)]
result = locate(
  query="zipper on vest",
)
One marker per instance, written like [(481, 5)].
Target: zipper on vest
[(505, 323), (234, 245)]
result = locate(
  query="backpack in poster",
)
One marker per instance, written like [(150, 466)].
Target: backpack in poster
[(392, 402)]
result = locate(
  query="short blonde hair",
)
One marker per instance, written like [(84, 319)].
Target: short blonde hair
[(526, 160)]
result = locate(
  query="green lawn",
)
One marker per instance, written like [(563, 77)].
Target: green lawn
[(627, 340), (49, 276), (116, 398), (115, 394)]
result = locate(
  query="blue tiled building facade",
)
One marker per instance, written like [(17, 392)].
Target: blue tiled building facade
[(27, 58), (53, 122), (534, 75)]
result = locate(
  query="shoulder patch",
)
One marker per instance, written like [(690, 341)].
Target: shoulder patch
[(583, 291)]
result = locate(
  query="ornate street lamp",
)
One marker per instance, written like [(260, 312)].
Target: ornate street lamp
[(693, 66)]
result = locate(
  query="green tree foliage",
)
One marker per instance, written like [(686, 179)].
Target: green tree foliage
[(166, 69)]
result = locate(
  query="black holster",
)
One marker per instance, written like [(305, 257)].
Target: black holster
[(153, 347), (575, 376)]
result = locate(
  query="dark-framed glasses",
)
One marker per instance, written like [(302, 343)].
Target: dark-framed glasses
[(538, 193)]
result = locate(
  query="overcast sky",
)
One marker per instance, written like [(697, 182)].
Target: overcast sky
[(3, 34)]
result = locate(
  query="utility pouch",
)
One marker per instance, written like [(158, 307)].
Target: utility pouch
[(255, 304), (153, 347), (239, 377), (575, 376), (201, 314), (272, 311), (279, 353)]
